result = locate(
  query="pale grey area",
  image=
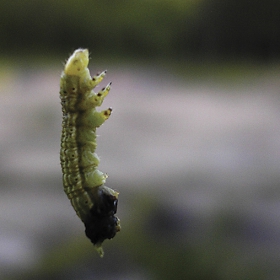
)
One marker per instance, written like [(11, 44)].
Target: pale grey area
[(207, 147)]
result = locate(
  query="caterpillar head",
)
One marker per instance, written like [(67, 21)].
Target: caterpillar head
[(101, 223), (77, 62)]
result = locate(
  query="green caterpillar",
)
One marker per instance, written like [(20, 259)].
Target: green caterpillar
[(94, 203)]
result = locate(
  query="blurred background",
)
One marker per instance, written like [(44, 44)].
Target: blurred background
[(193, 144)]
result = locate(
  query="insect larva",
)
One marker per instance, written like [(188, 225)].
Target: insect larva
[(83, 183)]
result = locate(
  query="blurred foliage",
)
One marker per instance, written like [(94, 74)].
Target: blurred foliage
[(144, 28)]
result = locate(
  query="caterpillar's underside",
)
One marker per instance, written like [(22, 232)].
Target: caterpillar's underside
[(83, 183)]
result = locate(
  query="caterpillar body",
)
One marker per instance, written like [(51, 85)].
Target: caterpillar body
[(94, 203)]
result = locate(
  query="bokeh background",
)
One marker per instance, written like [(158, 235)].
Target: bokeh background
[(193, 144)]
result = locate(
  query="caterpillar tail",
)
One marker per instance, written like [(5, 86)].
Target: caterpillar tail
[(94, 203)]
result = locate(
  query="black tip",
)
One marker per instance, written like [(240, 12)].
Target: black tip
[(101, 223), (101, 228)]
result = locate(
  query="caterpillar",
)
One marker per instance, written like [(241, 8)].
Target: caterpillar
[(94, 203)]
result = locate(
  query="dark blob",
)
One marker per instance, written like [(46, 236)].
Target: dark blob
[(101, 223), (107, 205), (101, 228)]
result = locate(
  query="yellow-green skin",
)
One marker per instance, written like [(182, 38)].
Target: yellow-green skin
[(83, 182)]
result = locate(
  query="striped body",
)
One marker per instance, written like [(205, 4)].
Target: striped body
[(83, 183)]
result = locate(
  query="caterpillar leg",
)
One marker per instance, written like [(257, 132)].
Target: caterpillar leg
[(106, 113), (102, 94), (98, 78), (101, 117), (93, 118), (97, 99)]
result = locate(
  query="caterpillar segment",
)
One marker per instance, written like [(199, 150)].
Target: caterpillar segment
[(94, 203)]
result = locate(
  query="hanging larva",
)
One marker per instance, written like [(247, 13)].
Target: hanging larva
[(94, 203)]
